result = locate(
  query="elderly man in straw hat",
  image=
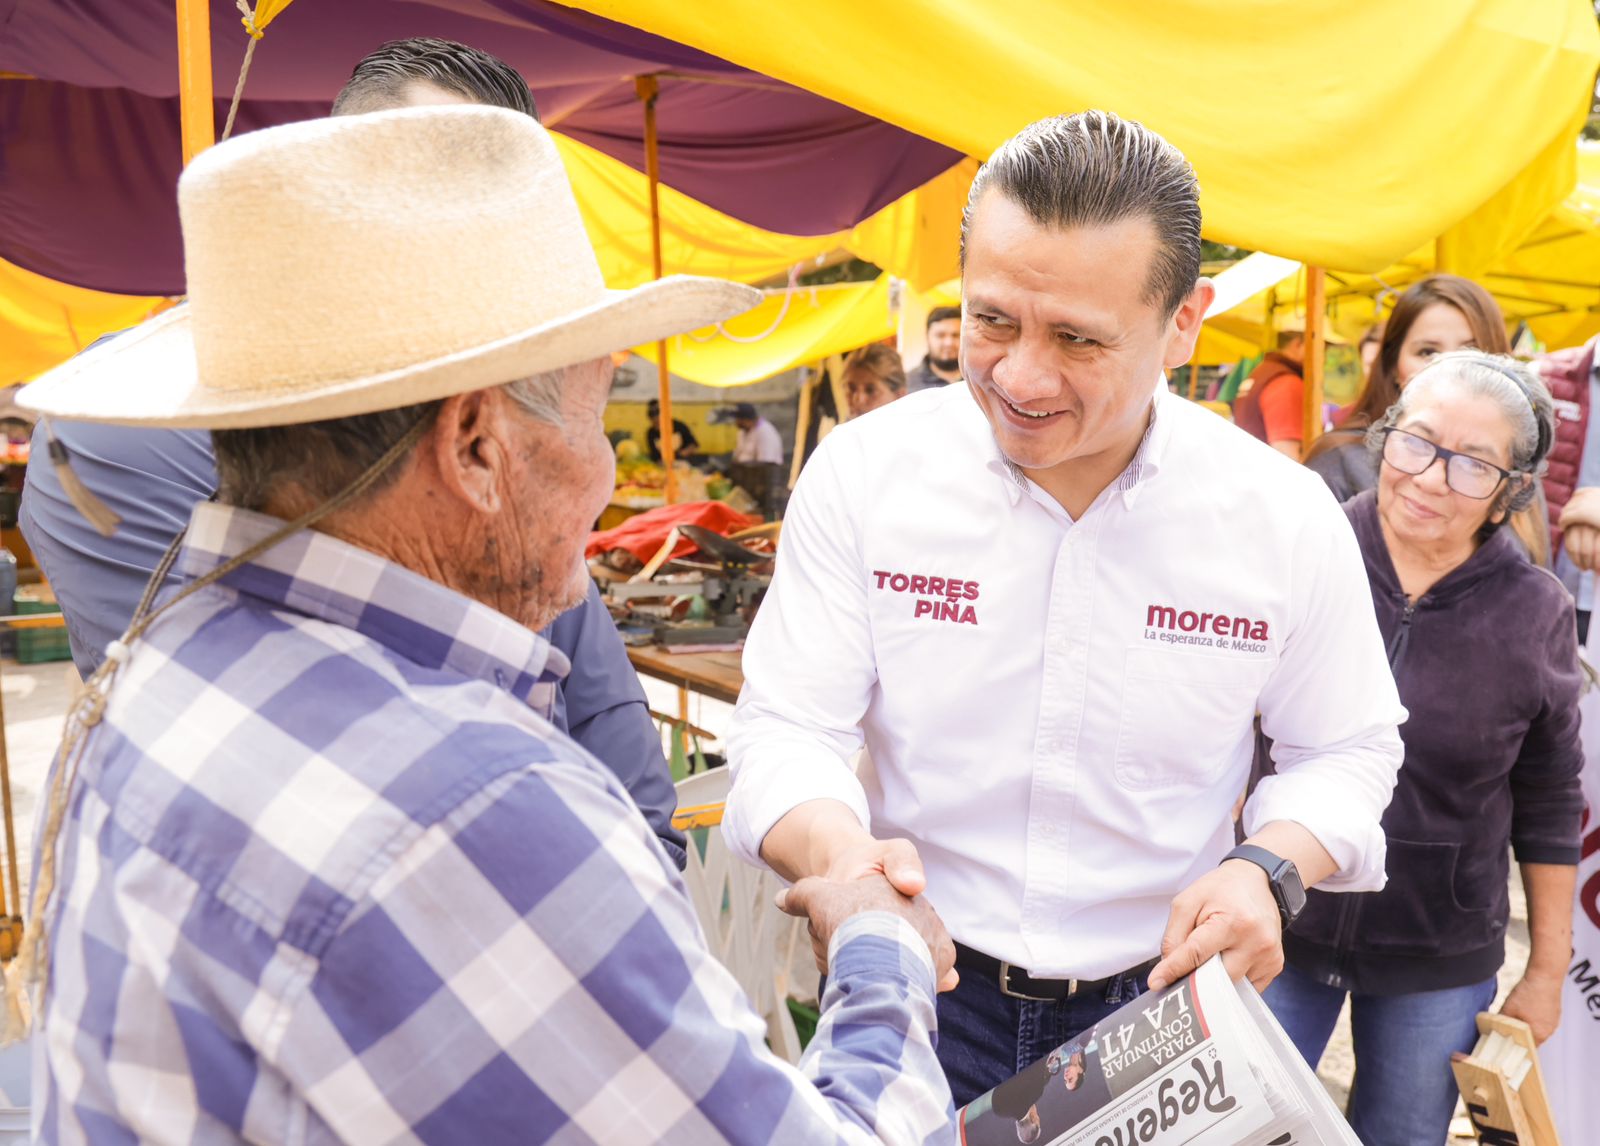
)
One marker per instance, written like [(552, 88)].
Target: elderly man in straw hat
[(315, 865)]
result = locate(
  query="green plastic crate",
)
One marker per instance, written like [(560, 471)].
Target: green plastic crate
[(36, 646)]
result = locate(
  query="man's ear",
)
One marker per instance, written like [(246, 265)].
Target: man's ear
[(1183, 328), (469, 449)]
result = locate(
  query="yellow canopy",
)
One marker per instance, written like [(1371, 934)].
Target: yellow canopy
[(788, 329), (1343, 133), (43, 322), (914, 238), (1551, 281)]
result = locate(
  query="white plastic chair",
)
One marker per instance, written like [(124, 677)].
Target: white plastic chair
[(755, 941)]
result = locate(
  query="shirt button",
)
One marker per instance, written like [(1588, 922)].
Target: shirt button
[(1049, 829)]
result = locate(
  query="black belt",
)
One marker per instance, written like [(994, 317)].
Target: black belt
[(1017, 983)]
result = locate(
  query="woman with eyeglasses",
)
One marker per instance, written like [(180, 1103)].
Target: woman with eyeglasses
[(1484, 650), (1439, 314)]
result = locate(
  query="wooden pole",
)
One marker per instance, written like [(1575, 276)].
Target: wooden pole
[(196, 110), (1316, 303), (648, 91)]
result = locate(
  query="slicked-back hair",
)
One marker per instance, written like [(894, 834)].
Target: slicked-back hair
[(380, 79), (1095, 169)]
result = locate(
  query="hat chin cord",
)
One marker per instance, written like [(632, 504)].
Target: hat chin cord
[(88, 706)]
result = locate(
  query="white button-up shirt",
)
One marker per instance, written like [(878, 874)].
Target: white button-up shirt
[(760, 443), (1059, 714)]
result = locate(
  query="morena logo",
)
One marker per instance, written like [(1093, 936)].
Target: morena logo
[(1213, 624), (941, 598)]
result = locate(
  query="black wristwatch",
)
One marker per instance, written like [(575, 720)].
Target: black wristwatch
[(1282, 876)]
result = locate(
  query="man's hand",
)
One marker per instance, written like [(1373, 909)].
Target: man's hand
[(827, 903), (1229, 910), (1536, 1000), (822, 841), (1582, 543), (1580, 524)]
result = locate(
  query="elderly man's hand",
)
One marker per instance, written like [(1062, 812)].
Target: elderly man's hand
[(1229, 910), (827, 903)]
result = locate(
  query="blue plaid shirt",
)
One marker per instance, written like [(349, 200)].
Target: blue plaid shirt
[(329, 875)]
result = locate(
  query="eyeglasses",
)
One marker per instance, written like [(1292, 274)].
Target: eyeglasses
[(1469, 476)]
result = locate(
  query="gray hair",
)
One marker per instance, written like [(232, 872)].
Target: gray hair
[(321, 458), (1516, 390), (1096, 169)]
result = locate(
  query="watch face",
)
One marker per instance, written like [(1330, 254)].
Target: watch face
[(1294, 892)]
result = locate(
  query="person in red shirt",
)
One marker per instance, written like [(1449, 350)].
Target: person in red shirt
[(1272, 406)]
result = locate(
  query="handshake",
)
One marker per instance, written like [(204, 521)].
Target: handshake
[(881, 884)]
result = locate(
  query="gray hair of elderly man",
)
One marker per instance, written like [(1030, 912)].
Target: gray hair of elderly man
[(321, 458), (1512, 386)]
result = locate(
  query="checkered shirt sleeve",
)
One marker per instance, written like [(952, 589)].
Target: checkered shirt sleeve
[(530, 970)]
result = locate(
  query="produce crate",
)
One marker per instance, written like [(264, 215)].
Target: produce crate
[(35, 646)]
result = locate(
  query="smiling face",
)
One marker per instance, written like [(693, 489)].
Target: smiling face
[(864, 391), (1439, 329), (1422, 510), (1061, 343)]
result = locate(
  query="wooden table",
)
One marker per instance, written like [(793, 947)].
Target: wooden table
[(717, 675)]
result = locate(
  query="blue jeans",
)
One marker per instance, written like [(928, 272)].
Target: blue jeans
[(1404, 1093), (985, 1037)]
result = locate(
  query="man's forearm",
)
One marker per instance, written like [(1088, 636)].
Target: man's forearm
[(809, 837), (1291, 841), (1549, 887)]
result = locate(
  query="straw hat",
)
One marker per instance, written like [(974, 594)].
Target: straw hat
[(342, 266)]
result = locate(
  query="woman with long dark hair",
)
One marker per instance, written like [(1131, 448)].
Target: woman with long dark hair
[(1439, 314)]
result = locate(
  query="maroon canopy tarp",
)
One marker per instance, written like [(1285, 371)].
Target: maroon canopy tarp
[(90, 151)]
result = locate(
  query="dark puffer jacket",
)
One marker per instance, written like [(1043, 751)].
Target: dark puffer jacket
[(1487, 666)]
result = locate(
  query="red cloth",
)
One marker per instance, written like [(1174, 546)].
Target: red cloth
[(1567, 373), (1273, 409), (645, 533)]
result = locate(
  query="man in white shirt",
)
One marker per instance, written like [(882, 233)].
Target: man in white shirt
[(759, 440), (1054, 624)]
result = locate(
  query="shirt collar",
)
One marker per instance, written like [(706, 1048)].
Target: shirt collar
[(1146, 461), (334, 581)]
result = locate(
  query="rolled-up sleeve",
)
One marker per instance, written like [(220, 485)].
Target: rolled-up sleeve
[(1332, 710), (808, 665)]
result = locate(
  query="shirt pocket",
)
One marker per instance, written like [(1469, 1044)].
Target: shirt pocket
[(1184, 717)]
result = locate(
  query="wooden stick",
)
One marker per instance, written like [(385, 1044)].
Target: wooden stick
[(195, 108), (649, 90), (1316, 302)]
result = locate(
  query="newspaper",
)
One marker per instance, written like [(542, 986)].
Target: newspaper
[(1201, 1062)]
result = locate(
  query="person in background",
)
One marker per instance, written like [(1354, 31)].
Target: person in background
[(1371, 340), (758, 440), (942, 364), (873, 377), (153, 479), (1484, 651), (1271, 403), (1435, 316), (1572, 485), (685, 444)]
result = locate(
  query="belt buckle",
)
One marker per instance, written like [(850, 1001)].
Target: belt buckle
[(1005, 986)]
